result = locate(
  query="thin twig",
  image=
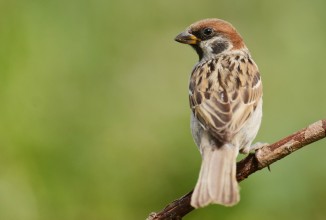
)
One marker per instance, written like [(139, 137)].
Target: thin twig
[(252, 163)]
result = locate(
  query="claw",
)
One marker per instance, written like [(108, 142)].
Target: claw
[(253, 148), (258, 145)]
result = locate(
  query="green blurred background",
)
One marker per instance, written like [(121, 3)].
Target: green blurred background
[(94, 116)]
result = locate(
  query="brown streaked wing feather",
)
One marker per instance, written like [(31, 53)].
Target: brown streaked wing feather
[(226, 94)]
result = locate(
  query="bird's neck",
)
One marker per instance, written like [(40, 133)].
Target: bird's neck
[(204, 57)]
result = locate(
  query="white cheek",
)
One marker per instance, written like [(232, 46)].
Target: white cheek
[(207, 49)]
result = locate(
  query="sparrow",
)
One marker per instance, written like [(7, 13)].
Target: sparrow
[(225, 95)]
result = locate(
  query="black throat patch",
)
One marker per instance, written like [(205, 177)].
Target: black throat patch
[(198, 50)]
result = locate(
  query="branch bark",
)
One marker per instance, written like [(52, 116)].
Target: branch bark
[(249, 165)]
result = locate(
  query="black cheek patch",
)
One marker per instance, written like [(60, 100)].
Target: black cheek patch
[(218, 47)]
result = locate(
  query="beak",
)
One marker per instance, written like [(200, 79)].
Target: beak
[(187, 38)]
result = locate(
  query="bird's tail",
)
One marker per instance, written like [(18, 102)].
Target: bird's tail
[(217, 178)]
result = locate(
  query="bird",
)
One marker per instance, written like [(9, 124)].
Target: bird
[(225, 96)]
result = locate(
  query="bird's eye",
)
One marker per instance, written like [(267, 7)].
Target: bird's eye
[(208, 31)]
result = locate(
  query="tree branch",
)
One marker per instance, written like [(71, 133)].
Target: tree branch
[(252, 163)]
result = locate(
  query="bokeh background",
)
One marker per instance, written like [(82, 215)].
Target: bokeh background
[(94, 116)]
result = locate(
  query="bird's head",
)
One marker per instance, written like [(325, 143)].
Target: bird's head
[(211, 37)]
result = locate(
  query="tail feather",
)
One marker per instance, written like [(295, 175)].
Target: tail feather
[(201, 196), (217, 178)]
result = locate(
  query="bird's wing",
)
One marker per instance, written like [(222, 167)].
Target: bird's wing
[(224, 92)]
